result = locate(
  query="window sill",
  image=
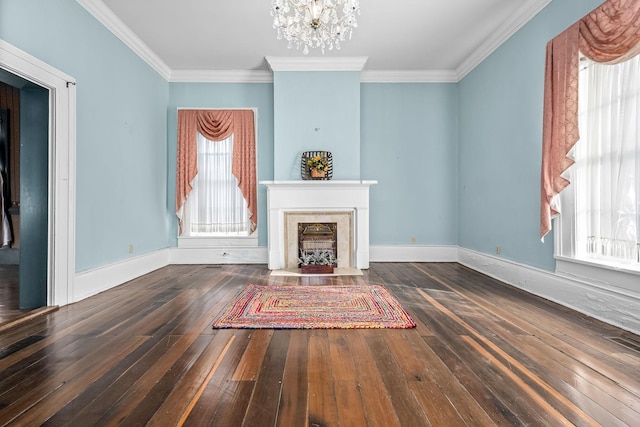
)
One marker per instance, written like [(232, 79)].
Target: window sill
[(597, 274), (218, 242)]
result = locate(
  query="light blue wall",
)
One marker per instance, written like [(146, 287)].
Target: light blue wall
[(456, 163), (409, 144), (317, 111), (409, 134), (501, 104), (224, 95), (121, 127)]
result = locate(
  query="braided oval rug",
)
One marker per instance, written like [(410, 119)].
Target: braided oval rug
[(314, 307)]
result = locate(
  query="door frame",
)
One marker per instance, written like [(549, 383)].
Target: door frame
[(62, 167)]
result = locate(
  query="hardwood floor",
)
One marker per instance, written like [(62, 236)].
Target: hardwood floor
[(9, 299), (483, 354), (10, 313)]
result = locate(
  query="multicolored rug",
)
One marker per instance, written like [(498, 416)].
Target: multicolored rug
[(314, 307)]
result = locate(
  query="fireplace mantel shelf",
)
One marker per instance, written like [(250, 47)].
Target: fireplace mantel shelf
[(318, 182)]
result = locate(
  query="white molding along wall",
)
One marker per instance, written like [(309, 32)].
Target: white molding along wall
[(100, 279), (219, 255), (311, 63), (413, 253), (94, 281), (511, 26), (617, 307), (114, 24), (620, 308)]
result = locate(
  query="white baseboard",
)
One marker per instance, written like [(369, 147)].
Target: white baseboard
[(94, 281), (229, 255), (413, 253), (618, 308), (621, 309)]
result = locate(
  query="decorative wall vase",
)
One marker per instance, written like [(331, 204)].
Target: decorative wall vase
[(315, 173), (308, 160)]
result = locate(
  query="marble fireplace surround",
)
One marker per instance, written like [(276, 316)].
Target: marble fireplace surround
[(344, 202), (344, 234)]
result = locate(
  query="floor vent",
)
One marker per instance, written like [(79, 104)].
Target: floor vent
[(627, 342)]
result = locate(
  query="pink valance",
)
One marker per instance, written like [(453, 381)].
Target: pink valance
[(609, 34), (217, 125)]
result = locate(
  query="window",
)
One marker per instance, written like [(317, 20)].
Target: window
[(216, 206), (216, 197), (600, 221)]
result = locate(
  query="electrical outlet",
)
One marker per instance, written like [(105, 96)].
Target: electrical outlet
[(131, 248), (498, 250)]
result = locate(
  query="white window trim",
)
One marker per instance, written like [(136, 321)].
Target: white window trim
[(595, 272), (598, 274), (223, 241), (218, 242)]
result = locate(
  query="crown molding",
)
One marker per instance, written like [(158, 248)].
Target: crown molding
[(526, 12), (106, 17), (264, 76), (316, 63), (221, 76), (403, 76)]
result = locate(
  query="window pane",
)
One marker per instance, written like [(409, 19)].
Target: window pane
[(607, 168), (216, 204)]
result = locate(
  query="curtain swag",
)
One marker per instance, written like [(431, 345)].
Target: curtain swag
[(609, 34), (217, 125)]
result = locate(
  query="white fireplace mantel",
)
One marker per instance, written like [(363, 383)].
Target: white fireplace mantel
[(318, 196)]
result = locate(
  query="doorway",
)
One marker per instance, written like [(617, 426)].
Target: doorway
[(24, 173), (51, 99)]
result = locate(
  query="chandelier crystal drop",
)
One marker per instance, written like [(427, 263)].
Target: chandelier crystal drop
[(323, 24)]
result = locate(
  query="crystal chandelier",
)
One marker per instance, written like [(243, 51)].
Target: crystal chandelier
[(314, 23)]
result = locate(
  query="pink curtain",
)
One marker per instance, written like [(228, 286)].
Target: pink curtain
[(609, 34), (217, 125)]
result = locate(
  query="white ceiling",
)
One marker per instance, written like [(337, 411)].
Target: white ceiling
[(449, 36)]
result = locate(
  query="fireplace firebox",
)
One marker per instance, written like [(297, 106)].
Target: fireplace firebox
[(318, 237)]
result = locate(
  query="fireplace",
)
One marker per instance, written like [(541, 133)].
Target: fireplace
[(318, 237), (345, 203)]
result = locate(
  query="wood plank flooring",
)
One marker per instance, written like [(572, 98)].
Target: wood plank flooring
[(10, 313), (483, 354), (9, 297)]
